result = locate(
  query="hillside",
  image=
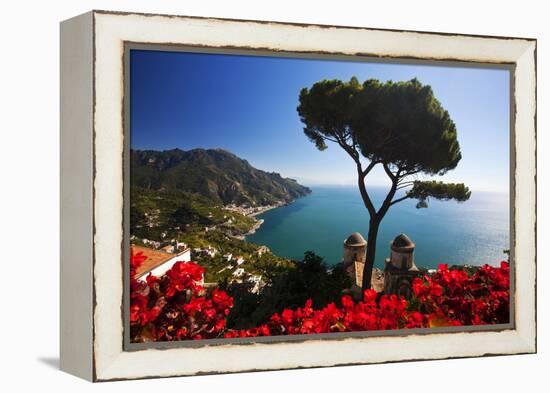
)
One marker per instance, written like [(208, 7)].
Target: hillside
[(153, 213), (215, 174)]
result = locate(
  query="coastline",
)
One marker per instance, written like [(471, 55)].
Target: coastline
[(256, 226), (264, 209), (260, 221), (252, 230)]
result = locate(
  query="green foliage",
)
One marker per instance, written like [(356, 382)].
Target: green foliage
[(423, 190), (267, 265), (180, 215), (270, 266), (290, 288), (326, 108), (404, 124), (215, 174), (396, 123)]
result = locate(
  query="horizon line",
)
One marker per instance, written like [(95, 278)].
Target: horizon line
[(302, 181), (352, 185)]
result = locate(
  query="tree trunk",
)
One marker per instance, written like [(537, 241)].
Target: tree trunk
[(371, 252)]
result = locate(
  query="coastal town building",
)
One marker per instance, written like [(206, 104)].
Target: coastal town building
[(207, 251), (238, 272), (400, 269), (152, 243), (180, 246), (256, 282), (159, 262), (175, 247), (169, 248), (262, 250)]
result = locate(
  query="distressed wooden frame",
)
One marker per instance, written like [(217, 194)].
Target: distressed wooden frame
[(93, 156)]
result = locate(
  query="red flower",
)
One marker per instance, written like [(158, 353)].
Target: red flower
[(231, 334), (369, 296), (222, 299), (287, 317), (347, 302), (175, 307)]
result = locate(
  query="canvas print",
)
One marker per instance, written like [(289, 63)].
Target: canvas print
[(281, 196)]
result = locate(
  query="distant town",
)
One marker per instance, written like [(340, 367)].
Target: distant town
[(161, 256)]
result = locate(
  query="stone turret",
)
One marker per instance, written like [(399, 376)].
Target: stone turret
[(400, 269), (355, 252), (402, 252)]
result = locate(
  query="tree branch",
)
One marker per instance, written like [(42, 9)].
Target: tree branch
[(369, 167), (389, 172), (361, 174), (363, 190), (330, 139), (405, 184), (387, 201), (340, 139), (386, 204), (411, 172), (399, 200)]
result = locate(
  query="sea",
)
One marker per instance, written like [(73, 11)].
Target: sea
[(474, 232)]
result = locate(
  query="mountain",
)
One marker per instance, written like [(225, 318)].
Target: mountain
[(213, 173)]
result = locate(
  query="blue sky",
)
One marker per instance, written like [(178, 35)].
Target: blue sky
[(247, 105)]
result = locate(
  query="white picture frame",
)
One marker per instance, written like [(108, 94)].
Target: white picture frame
[(93, 193)]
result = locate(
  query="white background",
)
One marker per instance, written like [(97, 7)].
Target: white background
[(29, 196)]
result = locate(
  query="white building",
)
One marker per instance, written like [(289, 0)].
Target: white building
[(257, 282), (159, 262), (151, 243), (209, 251), (238, 272), (262, 250), (181, 246)]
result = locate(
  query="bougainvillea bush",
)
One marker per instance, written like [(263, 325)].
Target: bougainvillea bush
[(176, 307)]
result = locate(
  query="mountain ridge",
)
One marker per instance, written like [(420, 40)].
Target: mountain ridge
[(214, 173)]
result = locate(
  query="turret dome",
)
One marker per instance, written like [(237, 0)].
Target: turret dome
[(355, 240), (402, 243)]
